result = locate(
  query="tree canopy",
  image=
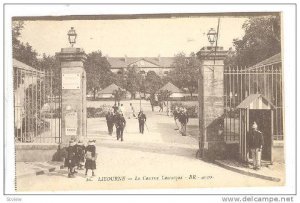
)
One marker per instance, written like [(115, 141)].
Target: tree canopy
[(134, 81), (262, 40), (22, 52), (98, 72), (185, 73), (152, 82)]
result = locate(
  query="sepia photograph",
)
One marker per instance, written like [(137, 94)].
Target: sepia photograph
[(148, 101)]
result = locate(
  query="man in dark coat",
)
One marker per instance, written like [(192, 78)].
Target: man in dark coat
[(110, 122), (255, 144), (142, 120), (120, 125), (183, 119)]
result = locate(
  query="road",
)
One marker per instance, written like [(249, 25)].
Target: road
[(159, 158)]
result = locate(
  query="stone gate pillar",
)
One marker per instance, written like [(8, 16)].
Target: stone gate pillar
[(211, 102), (73, 120)]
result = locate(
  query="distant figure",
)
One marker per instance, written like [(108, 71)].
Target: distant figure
[(255, 144), (120, 123), (176, 116), (183, 119), (90, 156), (70, 161), (161, 105), (142, 120), (80, 153), (122, 108), (115, 108), (132, 110), (110, 121)]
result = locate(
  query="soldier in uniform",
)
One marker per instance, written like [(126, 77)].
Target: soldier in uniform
[(110, 122), (142, 120), (183, 119), (176, 115), (120, 125), (255, 144)]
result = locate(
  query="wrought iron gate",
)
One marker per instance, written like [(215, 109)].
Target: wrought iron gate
[(37, 105)]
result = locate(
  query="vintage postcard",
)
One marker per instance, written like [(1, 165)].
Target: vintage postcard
[(148, 101)]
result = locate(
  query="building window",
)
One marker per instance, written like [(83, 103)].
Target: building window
[(142, 72), (119, 72), (166, 72)]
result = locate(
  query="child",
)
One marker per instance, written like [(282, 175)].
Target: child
[(91, 156), (71, 159), (80, 152)]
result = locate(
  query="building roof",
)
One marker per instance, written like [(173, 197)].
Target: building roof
[(170, 87), (255, 101), (20, 65), (275, 59), (117, 62), (110, 89)]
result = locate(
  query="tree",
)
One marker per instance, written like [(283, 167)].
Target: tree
[(133, 81), (185, 73), (262, 40), (152, 82), (98, 72), (118, 95), (22, 52), (51, 66)]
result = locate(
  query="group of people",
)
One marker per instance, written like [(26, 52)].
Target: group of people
[(115, 117), (181, 119), (79, 156)]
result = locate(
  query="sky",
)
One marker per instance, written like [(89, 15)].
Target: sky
[(132, 37)]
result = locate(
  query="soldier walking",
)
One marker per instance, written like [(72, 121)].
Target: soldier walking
[(142, 120), (255, 144), (120, 125), (176, 115), (183, 119), (110, 122)]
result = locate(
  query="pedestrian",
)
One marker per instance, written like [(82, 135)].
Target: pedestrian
[(71, 159), (122, 109), (161, 106), (90, 156), (115, 108), (80, 153), (142, 120), (255, 144), (120, 125), (176, 115), (132, 110), (110, 121), (183, 119)]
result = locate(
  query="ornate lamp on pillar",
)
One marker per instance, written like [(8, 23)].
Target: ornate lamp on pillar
[(73, 122)]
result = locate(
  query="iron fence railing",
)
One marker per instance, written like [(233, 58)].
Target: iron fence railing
[(37, 104), (240, 83)]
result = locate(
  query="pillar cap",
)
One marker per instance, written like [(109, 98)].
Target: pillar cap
[(212, 53), (71, 54)]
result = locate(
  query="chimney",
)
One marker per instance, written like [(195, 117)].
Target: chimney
[(158, 58)]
